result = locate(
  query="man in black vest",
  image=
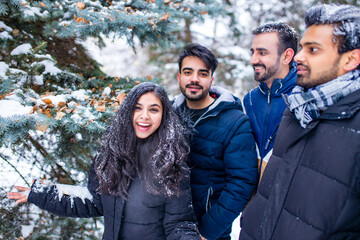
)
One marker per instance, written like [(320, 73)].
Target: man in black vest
[(311, 186)]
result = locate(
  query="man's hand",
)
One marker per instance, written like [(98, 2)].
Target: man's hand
[(21, 196)]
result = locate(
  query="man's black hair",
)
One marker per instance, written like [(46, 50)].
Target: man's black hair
[(197, 50)]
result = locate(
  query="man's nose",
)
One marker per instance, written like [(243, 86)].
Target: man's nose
[(195, 78), (299, 57), (254, 59)]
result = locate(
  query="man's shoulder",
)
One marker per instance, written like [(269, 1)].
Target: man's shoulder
[(254, 93), (231, 114)]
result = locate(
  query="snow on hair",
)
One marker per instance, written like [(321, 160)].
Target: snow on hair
[(346, 21)]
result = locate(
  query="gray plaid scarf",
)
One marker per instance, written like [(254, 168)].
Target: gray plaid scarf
[(308, 105)]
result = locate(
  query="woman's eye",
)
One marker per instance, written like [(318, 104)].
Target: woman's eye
[(155, 110)]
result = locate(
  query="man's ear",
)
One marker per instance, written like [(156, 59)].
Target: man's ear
[(288, 56), (352, 60), (178, 77), (212, 80)]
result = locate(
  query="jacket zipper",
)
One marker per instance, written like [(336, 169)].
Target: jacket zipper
[(209, 194)]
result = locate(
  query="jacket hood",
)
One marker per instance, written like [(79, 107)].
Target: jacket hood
[(281, 85), (224, 100)]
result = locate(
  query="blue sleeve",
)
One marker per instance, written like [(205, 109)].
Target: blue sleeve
[(246, 102), (240, 162)]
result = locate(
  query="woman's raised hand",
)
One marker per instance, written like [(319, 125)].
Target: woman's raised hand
[(21, 196)]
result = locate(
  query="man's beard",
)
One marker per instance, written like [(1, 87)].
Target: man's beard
[(269, 72), (323, 77), (193, 97)]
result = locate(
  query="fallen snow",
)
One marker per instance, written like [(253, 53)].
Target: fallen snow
[(10, 108), (3, 69), (5, 35), (50, 67), (21, 49), (5, 27), (74, 191)]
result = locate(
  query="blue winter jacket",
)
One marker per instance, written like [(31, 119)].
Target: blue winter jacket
[(265, 107), (223, 164)]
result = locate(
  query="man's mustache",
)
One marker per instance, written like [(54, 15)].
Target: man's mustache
[(259, 65), (304, 66), (193, 85)]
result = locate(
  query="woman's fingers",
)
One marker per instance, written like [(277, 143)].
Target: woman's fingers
[(21, 196), (20, 188)]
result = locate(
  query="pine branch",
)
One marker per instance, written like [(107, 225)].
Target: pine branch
[(11, 165)]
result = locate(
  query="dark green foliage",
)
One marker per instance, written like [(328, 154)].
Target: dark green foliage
[(42, 59)]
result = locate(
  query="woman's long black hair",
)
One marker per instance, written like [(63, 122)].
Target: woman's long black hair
[(115, 163)]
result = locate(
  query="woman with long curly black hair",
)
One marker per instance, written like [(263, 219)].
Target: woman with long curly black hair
[(138, 181)]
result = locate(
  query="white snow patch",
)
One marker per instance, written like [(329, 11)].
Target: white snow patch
[(87, 114), (106, 91), (38, 80), (5, 35), (76, 118), (47, 56), (50, 67), (74, 191), (9, 108), (79, 95), (26, 230), (5, 27), (3, 69), (54, 99), (32, 11), (21, 49)]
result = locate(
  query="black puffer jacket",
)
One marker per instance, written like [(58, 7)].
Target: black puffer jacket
[(223, 164), (311, 185), (155, 217)]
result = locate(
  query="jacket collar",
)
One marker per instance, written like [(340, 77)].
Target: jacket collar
[(280, 85), (224, 100), (343, 109)]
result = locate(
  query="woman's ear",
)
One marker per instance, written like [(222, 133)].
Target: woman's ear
[(352, 60)]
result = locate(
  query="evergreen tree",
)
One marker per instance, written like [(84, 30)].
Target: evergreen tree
[(46, 72)]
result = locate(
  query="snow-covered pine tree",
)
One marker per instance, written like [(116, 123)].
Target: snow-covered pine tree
[(55, 100)]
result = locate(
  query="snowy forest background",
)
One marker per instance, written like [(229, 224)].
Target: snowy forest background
[(65, 66)]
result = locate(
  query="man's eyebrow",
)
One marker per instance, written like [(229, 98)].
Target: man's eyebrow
[(261, 49), (310, 43), (200, 70), (187, 68)]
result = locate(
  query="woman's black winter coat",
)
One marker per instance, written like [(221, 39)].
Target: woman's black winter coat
[(147, 216)]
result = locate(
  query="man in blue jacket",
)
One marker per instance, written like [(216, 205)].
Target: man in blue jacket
[(222, 160), (273, 48)]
